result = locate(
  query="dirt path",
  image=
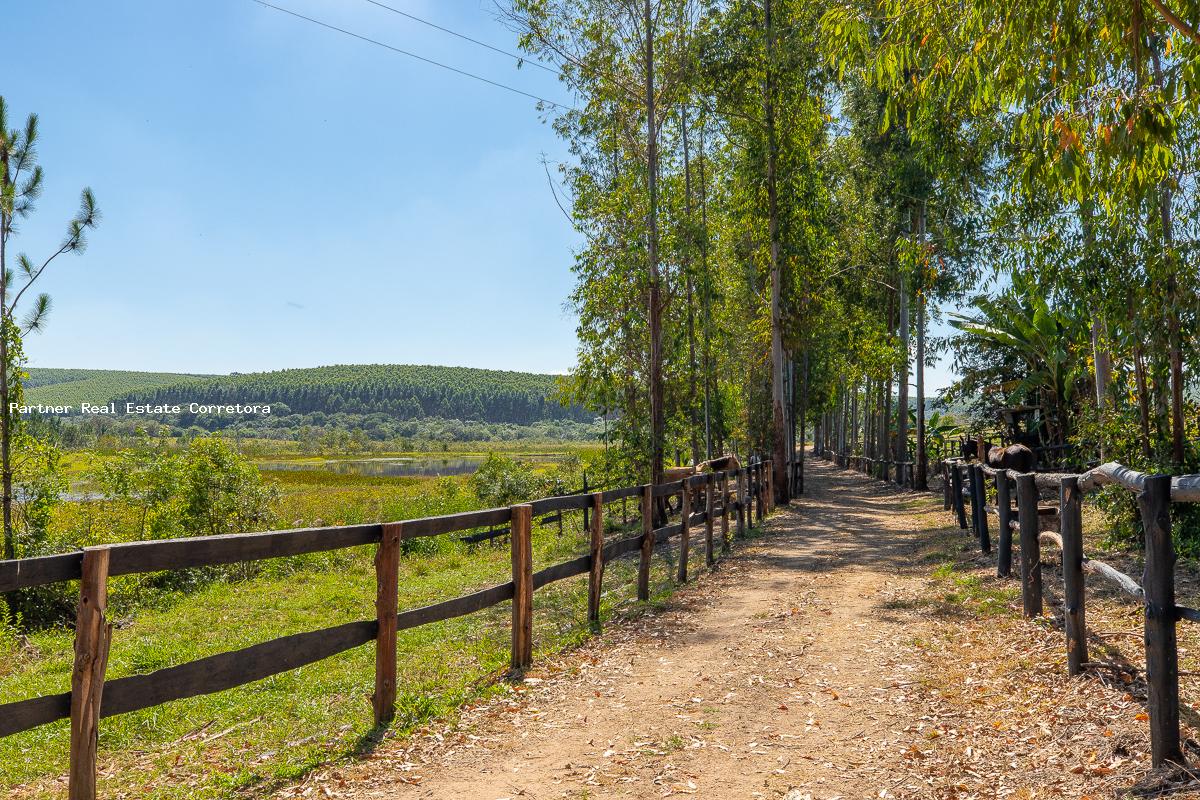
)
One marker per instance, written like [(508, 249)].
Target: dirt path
[(800, 668)]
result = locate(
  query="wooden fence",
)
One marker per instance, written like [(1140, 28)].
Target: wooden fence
[(704, 499), (964, 485)]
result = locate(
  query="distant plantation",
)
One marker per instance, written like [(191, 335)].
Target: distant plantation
[(396, 390), (74, 386)]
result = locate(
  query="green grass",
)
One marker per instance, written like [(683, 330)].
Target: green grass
[(277, 729)]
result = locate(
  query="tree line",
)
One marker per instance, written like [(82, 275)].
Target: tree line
[(780, 200)]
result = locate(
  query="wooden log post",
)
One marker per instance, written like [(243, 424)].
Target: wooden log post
[(979, 506), (93, 634), (1031, 556), (387, 606), (956, 491), (596, 573), (522, 578), (759, 496), (643, 578), (740, 480), (1070, 528), (725, 512), (947, 502), (710, 557), (1004, 517), (685, 530), (1162, 657)]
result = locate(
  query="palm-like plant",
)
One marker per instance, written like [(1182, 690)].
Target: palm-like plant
[(1021, 323)]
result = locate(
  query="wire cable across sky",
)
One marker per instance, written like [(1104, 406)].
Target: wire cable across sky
[(394, 49), (522, 59)]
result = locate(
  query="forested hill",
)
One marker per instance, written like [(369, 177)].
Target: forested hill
[(399, 391), (70, 387)]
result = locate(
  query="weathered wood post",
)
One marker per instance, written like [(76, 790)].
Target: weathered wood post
[(1004, 515), (740, 479), (725, 512), (1162, 657), (947, 503), (93, 634), (643, 579), (979, 506), (710, 557), (522, 577), (957, 492), (1070, 528), (387, 604), (685, 529), (1031, 555), (596, 573), (760, 495)]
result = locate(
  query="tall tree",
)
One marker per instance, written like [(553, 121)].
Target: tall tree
[(20, 185)]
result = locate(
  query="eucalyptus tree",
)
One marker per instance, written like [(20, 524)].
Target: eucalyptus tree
[(1094, 97), (21, 179), (622, 61)]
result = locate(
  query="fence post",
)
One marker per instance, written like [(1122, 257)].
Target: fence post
[(643, 579), (979, 505), (1162, 658), (739, 479), (710, 557), (685, 529), (92, 637), (956, 491), (387, 600), (522, 577), (760, 495), (947, 503), (1031, 556), (1070, 528), (725, 512), (596, 574), (1004, 515)]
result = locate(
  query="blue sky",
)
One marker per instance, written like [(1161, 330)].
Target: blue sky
[(280, 195), (276, 194)]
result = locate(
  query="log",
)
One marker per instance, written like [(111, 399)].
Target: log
[(957, 492), (978, 501), (558, 572), (522, 579), (725, 513), (1162, 656), (26, 573), (387, 597), (93, 634), (596, 567), (1004, 514), (1031, 559), (685, 529), (643, 579), (1071, 530), (710, 556)]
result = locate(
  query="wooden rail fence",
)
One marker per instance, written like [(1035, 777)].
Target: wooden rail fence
[(964, 484), (705, 498)]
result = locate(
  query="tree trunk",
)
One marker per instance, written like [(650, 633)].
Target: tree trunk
[(657, 419), (920, 478), (778, 420), (902, 378), (6, 416)]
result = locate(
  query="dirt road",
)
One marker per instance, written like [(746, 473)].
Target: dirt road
[(800, 668)]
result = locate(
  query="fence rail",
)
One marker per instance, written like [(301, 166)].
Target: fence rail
[(965, 484), (704, 499)]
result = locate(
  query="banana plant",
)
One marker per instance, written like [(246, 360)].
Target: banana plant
[(1046, 339)]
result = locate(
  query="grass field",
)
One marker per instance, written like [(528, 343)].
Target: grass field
[(278, 728)]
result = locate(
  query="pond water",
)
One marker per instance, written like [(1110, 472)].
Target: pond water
[(424, 466)]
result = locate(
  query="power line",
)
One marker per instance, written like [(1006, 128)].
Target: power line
[(414, 18), (378, 43)]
